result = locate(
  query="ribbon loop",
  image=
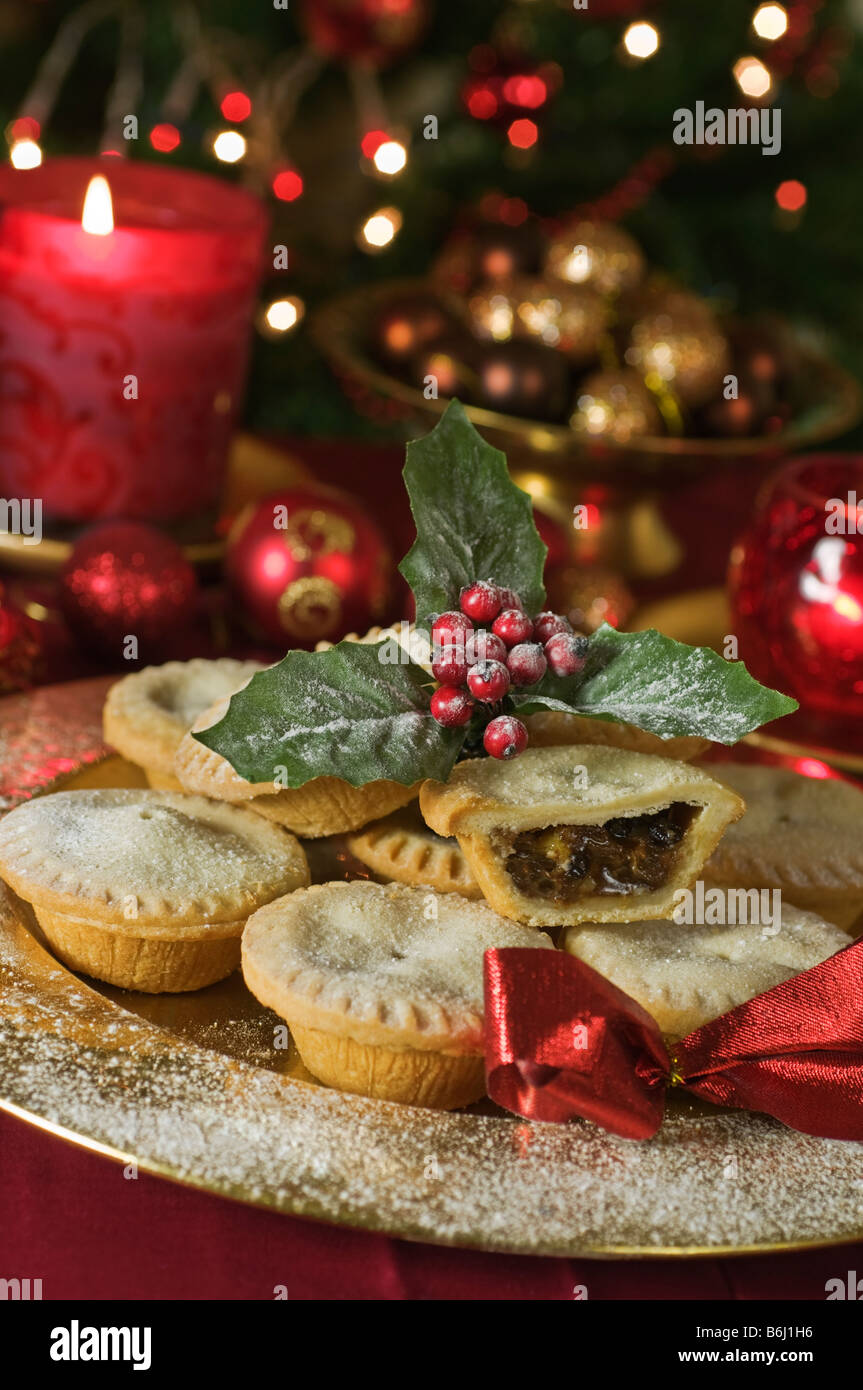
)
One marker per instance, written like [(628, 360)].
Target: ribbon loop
[(562, 1042)]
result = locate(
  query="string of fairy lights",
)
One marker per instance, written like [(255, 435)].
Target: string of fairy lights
[(256, 110)]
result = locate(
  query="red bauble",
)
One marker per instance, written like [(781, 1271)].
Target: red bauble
[(125, 579), (307, 564), (372, 32), (796, 584), (20, 647)]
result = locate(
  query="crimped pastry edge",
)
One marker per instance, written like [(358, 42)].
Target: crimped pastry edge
[(308, 998)]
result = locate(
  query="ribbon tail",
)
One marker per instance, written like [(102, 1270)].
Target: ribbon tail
[(819, 1093)]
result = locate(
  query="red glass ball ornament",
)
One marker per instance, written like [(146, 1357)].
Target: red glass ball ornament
[(796, 585), (307, 564), (21, 647), (371, 32), (123, 580)]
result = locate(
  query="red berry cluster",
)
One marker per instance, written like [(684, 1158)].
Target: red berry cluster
[(477, 667)]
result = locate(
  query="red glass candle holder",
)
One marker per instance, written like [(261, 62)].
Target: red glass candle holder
[(796, 587), (123, 356)]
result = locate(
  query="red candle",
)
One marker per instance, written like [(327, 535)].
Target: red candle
[(123, 352)]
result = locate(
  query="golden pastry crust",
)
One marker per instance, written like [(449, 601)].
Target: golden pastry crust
[(486, 803), (381, 985), (801, 834), (147, 713), (144, 861), (149, 890), (152, 964), (685, 978), (553, 728), (324, 806), (402, 848)]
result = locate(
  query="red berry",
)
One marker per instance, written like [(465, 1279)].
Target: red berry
[(483, 646), (448, 626), (510, 599), (526, 663), (566, 654), (513, 626), (547, 624), (488, 681), (504, 737), (450, 665), (451, 707), (480, 601)]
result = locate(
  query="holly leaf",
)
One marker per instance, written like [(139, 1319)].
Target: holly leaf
[(357, 711), (472, 521), (661, 686)]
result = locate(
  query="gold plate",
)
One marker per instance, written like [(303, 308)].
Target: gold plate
[(194, 1088)]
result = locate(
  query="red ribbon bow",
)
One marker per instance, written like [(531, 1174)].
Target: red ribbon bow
[(561, 1042)]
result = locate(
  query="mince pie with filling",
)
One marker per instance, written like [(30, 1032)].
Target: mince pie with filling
[(583, 833)]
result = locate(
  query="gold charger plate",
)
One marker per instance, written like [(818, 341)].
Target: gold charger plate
[(194, 1088)]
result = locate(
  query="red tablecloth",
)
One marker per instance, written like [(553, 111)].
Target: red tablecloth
[(71, 1219)]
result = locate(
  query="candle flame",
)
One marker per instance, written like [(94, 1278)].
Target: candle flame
[(98, 214)]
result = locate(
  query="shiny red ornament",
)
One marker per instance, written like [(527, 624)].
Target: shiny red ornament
[(562, 1042), (796, 585), (307, 564), (21, 648), (372, 32), (125, 579)]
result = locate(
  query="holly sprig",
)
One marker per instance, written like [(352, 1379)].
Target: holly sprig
[(361, 711)]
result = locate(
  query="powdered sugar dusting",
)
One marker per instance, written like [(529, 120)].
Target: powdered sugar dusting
[(706, 1182)]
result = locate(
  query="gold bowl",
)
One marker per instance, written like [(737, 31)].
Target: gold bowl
[(559, 468)]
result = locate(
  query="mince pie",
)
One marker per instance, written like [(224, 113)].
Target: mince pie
[(685, 977), (149, 890), (147, 712), (381, 986), (582, 833)]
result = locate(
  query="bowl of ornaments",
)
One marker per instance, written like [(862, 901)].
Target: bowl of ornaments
[(589, 368)]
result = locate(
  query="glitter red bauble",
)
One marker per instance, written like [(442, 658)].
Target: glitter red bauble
[(372, 32), (796, 585), (124, 580), (307, 564), (20, 647)]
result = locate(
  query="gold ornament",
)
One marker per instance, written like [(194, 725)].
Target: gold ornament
[(314, 531), (676, 344), (615, 405), (571, 318), (598, 254), (310, 607)]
